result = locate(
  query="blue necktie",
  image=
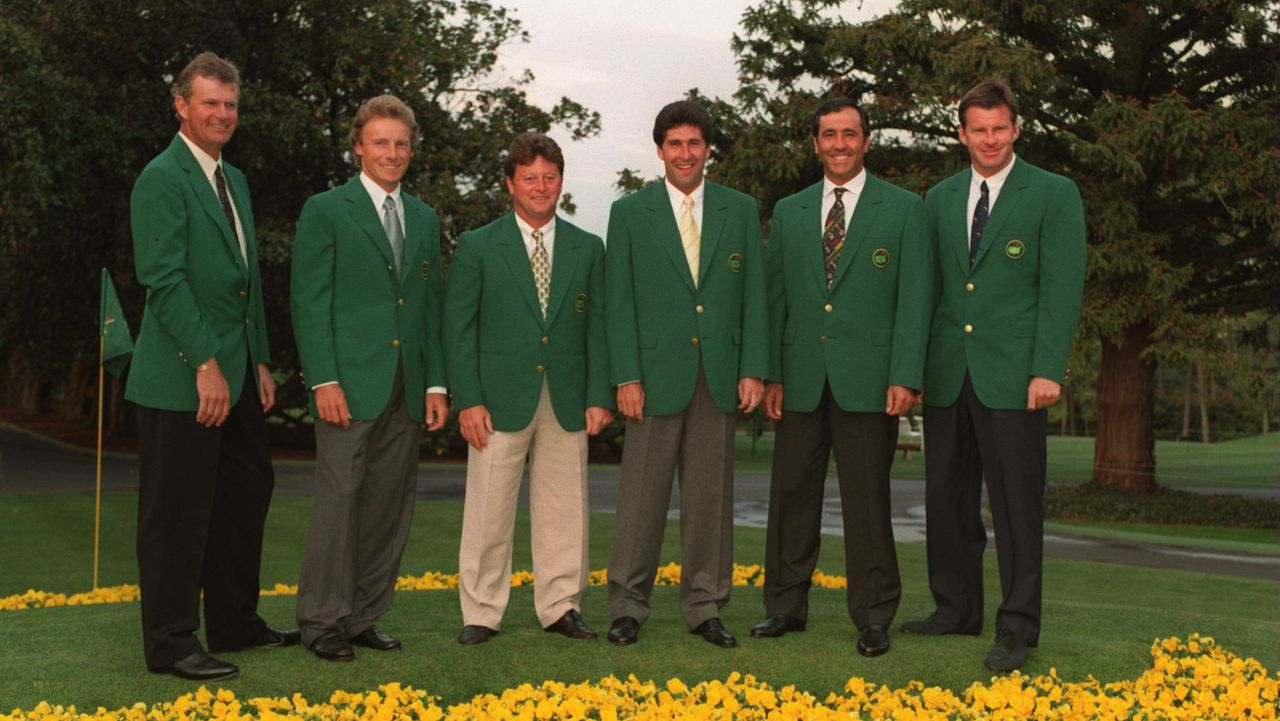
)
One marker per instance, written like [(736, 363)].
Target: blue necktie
[(979, 222)]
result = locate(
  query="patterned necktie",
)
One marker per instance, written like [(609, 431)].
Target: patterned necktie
[(691, 238), (541, 271), (225, 201), (979, 222), (833, 235), (395, 234)]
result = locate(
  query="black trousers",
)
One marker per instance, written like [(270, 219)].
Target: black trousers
[(202, 502), (864, 444), (967, 443)]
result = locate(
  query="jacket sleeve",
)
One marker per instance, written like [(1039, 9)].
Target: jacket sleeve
[(433, 348), (1062, 269), (599, 389), (461, 344), (311, 295), (776, 282), (754, 359), (620, 302), (914, 306)]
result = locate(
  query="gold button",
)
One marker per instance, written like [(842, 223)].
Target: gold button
[(243, 293), (246, 321), (693, 341), (395, 343), (968, 328), (698, 308), (545, 340), (968, 286), (181, 356), (827, 307), (822, 339), (391, 269), (400, 301), (539, 369)]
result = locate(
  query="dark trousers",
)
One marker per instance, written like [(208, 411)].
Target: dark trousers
[(864, 444), (967, 442), (203, 495)]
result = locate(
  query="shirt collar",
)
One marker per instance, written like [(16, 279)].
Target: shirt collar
[(854, 185), (548, 229), (207, 162), (376, 192), (677, 195), (995, 182)]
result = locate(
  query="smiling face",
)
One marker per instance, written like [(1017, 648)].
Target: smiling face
[(684, 152), (841, 145), (384, 149), (535, 190), (989, 134), (209, 113)]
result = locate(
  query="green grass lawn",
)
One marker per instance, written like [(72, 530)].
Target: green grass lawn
[(1099, 619), (1222, 538), (1252, 462)]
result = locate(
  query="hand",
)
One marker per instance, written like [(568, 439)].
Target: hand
[(1042, 393), (631, 401), (215, 395), (773, 401), (437, 411), (597, 419), (331, 404), (750, 393), (899, 399), (476, 425), (266, 387)]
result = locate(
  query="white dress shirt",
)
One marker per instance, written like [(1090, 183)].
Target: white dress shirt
[(994, 184), (548, 237), (677, 202), (207, 165)]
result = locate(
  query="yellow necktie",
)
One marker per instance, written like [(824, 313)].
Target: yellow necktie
[(541, 271), (691, 238)]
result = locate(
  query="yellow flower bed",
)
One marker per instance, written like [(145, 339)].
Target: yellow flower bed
[(668, 575), (1187, 681)]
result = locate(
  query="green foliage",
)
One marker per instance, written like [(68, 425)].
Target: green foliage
[(1087, 502), (79, 131)]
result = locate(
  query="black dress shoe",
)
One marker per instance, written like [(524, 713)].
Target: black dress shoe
[(934, 626), (1008, 653), (471, 635), (200, 666), (276, 638), (333, 647), (371, 637), (571, 625), (775, 626), (714, 632), (873, 641), (624, 631)]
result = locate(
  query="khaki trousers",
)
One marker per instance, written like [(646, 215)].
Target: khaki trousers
[(558, 507)]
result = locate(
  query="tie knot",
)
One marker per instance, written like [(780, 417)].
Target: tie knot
[(983, 187), (688, 203), (840, 192), (537, 235), (389, 204)]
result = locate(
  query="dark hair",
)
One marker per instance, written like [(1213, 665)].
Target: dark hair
[(682, 112), (383, 106), (208, 65), (989, 94), (835, 105), (527, 147)]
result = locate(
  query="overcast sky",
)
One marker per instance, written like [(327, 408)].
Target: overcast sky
[(625, 60)]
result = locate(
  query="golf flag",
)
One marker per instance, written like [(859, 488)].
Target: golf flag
[(117, 344)]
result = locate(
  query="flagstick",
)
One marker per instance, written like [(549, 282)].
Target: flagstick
[(97, 496)]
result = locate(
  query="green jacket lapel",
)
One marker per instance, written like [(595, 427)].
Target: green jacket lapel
[(810, 242), (240, 196), (864, 216), (1008, 199), (415, 231), (714, 210), (953, 232), (662, 222), (204, 192), (360, 208), (510, 243), (564, 263)]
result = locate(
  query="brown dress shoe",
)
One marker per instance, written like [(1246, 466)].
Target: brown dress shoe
[(624, 631), (571, 625), (713, 631), (371, 637), (471, 635)]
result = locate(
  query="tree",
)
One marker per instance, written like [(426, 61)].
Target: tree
[(1164, 112), (79, 131)]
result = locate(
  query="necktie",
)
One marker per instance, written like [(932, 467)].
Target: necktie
[(225, 201), (395, 234), (833, 235), (979, 222), (541, 271), (691, 238)]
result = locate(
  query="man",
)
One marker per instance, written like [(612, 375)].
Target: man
[(848, 324), (1009, 246), (688, 345), (205, 481), (524, 335), (366, 299)]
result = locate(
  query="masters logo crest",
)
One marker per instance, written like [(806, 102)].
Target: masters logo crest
[(880, 258), (735, 262), (426, 270), (580, 303), (1015, 249)]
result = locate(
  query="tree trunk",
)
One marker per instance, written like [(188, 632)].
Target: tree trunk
[(1266, 422), (1185, 435), (1204, 402), (1124, 453), (1066, 410), (82, 386)]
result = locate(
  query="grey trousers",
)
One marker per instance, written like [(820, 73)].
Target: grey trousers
[(698, 445), (360, 516)]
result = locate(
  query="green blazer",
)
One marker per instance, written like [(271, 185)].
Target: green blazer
[(203, 299), (871, 328), (499, 349), (1012, 315), (354, 319), (660, 324)]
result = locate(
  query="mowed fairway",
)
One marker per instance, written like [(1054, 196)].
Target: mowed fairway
[(1100, 619)]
